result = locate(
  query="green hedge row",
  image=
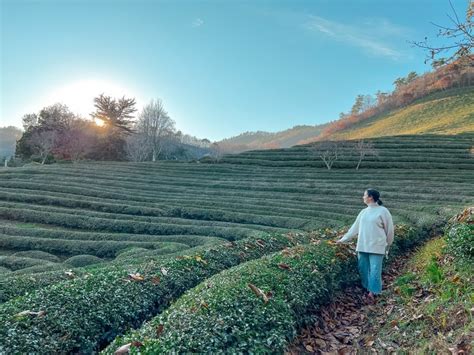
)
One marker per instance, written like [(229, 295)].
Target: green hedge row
[(346, 165), (236, 185), (37, 254), (86, 313), (65, 247), (462, 157), (102, 224), (49, 204), (291, 217), (82, 260), (226, 314), (189, 240), (285, 215), (17, 284), (16, 262), (217, 201), (281, 216), (108, 189), (38, 269)]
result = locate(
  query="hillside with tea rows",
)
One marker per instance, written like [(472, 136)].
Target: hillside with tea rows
[(101, 209), (185, 222)]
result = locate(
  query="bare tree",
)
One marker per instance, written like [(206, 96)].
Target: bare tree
[(156, 125), (459, 35), (328, 151), (216, 151), (137, 148), (43, 143), (115, 113), (363, 149)]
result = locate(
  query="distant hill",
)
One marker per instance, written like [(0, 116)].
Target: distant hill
[(447, 112), (8, 137), (267, 140), (436, 102)]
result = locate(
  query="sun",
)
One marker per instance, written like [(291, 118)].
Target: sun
[(79, 95), (99, 122)]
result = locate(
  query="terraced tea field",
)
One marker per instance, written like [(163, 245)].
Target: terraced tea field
[(142, 218), (102, 209)]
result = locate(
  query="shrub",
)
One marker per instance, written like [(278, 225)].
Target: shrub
[(16, 263), (223, 315), (38, 269), (83, 260), (38, 254), (460, 241), (15, 284), (78, 247), (86, 313), (130, 252)]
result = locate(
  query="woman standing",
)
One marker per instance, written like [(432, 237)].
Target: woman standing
[(374, 227)]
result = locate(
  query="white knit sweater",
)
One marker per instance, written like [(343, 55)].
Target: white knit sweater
[(374, 225)]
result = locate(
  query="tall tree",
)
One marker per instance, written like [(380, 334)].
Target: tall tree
[(381, 97), (157, 126), (55, 118), (411, 76), (115, 113), (358, 104), (42, 131), (399, 82), (29, 120)]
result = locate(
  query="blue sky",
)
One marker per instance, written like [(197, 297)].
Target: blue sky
[(220, 67)]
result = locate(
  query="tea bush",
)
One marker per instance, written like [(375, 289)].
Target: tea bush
[(223, 314), (86, 313), (82, 260), (460, 241)]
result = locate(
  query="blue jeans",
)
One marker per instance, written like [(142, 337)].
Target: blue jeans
[(370, 270)]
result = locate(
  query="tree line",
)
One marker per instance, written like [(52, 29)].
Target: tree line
[(452, 60), (112, 133), (407, 90)]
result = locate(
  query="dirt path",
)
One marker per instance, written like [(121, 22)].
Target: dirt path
[(343, 327)]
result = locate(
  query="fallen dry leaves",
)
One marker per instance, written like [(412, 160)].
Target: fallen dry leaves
[(259, 293), (343, 326)]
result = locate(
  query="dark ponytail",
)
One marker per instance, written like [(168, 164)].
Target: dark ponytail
[(375, 195)]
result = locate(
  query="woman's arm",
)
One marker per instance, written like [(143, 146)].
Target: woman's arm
[(388, 227), (353, 231)]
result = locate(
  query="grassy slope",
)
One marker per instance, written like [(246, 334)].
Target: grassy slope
[(432, 304), (449, 112)]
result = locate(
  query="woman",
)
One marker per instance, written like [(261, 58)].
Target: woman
[(374, 225)]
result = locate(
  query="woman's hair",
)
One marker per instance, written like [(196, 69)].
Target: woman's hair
[(375, 195)]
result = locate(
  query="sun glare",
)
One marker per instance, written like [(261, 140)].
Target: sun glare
[(79, 95), (99, 122)]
